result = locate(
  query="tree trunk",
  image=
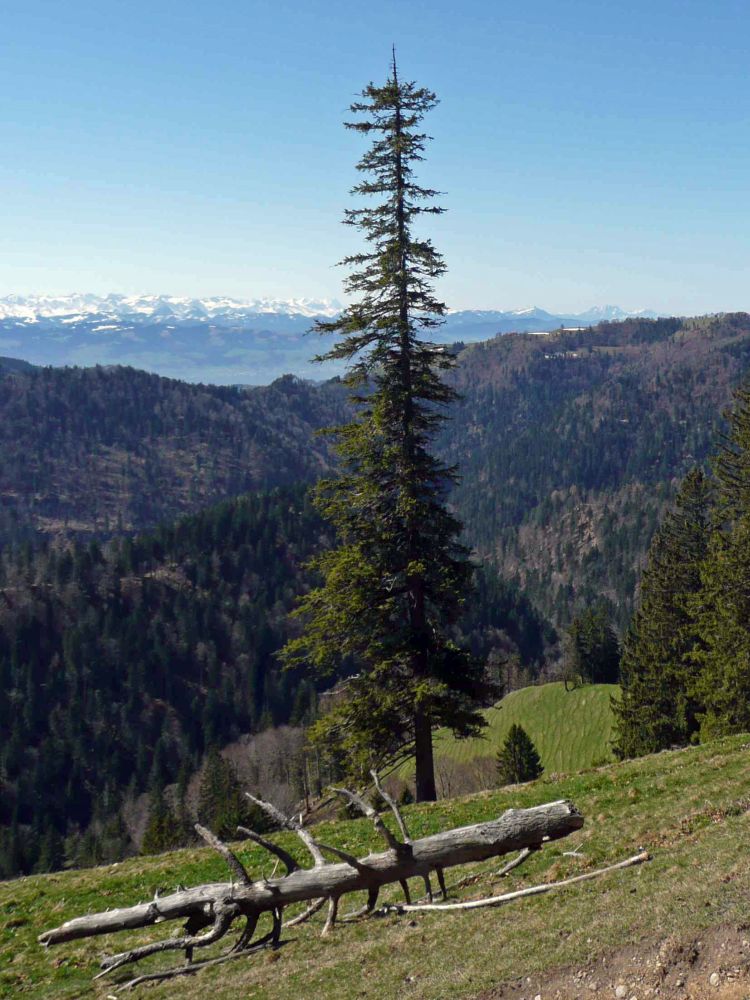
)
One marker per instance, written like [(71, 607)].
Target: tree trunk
[(514, 830), (424, 764)]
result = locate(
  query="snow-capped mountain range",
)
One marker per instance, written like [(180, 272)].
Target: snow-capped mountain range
[(127, 307), (220, 339)]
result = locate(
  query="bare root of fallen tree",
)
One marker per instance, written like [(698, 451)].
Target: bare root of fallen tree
[(211, 910)]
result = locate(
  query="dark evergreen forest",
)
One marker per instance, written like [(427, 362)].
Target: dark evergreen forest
[(122, 664), (685, 663), (105, 450)]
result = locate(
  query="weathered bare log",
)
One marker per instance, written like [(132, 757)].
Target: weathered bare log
[(216, 905), (342, 855), (441, 882), (224, 917), (478, 877), (289, 823), (311, 910), (391, 841), (366, 809), (372, 899), (514, 830), (333, 909), (233, 862), (514, 862)]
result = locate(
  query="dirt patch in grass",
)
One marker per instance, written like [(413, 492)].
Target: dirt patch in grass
[(715, 964)]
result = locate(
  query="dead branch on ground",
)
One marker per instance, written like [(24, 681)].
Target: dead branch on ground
[(211, 910)]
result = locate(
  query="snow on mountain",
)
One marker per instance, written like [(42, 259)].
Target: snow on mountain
[(145, 307), (220, 339), (596, 314), (601, 313), (123, 307), (134, 307)]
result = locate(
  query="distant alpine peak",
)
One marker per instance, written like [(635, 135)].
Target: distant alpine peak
[(596, 314), (614, 312), (225, 340), (120, 307), (80, 307)]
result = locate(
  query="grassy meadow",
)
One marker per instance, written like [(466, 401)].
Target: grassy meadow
[(688, 808), (571, 730)]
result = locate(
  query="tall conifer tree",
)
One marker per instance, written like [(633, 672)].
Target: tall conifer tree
[(393, 588), (722, 656), (658, 705), (593, 654)]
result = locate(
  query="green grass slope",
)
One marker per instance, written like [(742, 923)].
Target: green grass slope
[(571, 730), (688, 808)]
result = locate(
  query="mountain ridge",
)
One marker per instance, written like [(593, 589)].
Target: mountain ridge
[(220, 340), (35, 307), (569, 447)]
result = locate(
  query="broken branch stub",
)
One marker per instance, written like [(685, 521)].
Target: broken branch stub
[(218, 904)]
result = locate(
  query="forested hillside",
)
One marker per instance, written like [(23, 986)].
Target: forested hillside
[(685, 658), (122, 664), (570, 446), (102, 450)]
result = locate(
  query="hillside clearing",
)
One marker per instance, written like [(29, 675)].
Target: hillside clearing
[(571, 730), (689, 808)]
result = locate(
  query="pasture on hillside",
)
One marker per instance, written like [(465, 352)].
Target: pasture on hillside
[(572, 730), (688, 808)]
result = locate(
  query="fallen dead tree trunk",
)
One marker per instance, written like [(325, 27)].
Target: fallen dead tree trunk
[(217, 905)]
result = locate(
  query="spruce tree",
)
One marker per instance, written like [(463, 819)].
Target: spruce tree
[(722, 610), (222, 805), (393, 586), (722, 656), (51, 852), (593, 654), (162, 831), (658, 706), (732, 463), (518, 759)]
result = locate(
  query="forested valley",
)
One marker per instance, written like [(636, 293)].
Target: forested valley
[(134, 642), (125, 663), (569, 447), (101, 451)]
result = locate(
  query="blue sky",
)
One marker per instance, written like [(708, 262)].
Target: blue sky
[(591, 152)]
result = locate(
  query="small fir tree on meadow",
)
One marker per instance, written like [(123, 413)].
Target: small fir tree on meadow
[(518, 760)]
